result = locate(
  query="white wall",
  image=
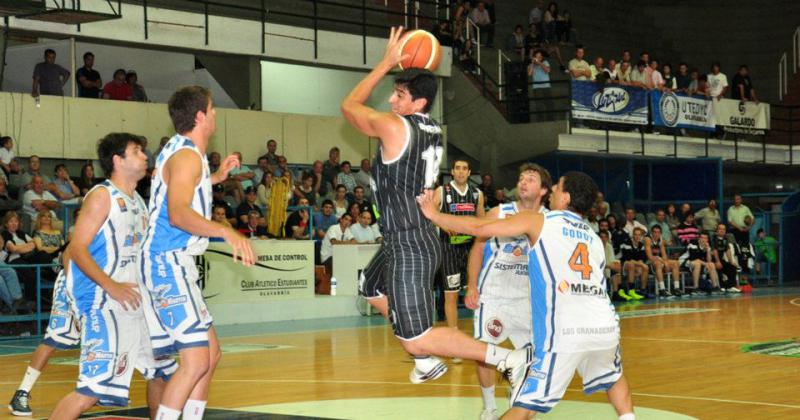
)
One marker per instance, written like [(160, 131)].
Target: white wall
[(160, 72), (226, 35)]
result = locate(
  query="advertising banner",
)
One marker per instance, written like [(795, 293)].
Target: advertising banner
[(742, 117), (681, 111), (282, 270), (610, 103)]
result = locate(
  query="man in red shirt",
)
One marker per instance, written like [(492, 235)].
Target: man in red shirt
[(118, 89)]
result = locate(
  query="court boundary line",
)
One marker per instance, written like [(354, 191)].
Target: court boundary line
[(795, 302)]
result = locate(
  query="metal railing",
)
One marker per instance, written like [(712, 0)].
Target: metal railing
[(502, 59), (783, 67), (38, 316)]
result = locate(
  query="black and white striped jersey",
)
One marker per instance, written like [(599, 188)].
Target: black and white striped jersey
[(400, 181)]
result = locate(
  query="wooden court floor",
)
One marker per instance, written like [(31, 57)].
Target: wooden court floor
[(680, 356)]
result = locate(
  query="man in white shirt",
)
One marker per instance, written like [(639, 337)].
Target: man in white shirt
[(337, 234), (717, 82), (37, 199), (364, 232), (480, 16), (631, 223), (6, 152), (578, 67)]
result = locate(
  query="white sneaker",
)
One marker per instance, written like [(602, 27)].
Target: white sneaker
[(489, 414), (456, 360), (516, 367), (433, 369), (734, 290)]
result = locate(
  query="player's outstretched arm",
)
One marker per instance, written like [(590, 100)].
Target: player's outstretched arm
[(94, 212), (471, 300), (387, 126), (529, 224), (181, 173)]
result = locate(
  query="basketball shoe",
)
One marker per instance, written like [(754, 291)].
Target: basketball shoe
[(427, 369), (515, 367)]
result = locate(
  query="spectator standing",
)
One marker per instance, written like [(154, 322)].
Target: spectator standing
[(639, 75), (89, 80), (718, 82), (656, 78), (709, 217), (346, 178), (63, 188), (483, 20), (736, 218), (364, 178), (336, 235), (612, 71), (670, 83), (37, 199), (598, 68), (536, 15), (578, 67), (365, 232), (648, 71), (549, 20), (682, 79), (324, 219), (48, 77), (743, 89), (248, 205), (540, 70), (271, 155), (118, 89), (460, 18), (139, 95)]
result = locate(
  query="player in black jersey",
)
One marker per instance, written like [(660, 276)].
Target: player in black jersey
[(397, 282), (459, 198)]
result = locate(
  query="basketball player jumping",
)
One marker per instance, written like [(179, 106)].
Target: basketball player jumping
[(574, 323), (457, 197), (498, 283), (179, 228), (397, 282), (101, 283)]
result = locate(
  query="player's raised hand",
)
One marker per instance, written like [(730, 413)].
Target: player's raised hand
[(427, 203), (242, 250), (227, 165), (127, 294), (392, 57), (472, 298)]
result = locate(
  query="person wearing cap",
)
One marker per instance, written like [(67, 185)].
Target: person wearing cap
[(139, 95), (117, 88), (219, 201), (248, 205)]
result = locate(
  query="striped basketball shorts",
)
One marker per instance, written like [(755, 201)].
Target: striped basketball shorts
[(403, 271), (176, 313), (454, 266), (63, 330)]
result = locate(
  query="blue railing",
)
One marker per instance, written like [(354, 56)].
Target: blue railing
[(38, 316)]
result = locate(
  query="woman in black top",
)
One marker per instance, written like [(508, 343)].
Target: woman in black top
[(87, 179)]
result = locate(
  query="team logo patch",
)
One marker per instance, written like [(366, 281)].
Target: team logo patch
[(91, 351), (121, 203), (494, 327), (122, 365), (516, 249), (563, 287), (461, 207), (159, 296)]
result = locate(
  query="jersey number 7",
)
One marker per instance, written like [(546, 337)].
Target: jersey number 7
[(579, 261)]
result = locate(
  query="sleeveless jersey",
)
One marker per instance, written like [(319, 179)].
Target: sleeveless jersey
[(504, 273), (655, 247), (115, 248), (161, 235), (398, 182), (453, 202), (571, 310)]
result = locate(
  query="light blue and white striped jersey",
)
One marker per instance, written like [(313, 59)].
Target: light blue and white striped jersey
[(570, 308), (115, 248), (504, 273), (161, 235)]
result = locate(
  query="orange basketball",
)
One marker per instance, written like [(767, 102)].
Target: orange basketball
[(422, 50)]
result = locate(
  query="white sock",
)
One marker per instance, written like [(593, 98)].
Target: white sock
[(31, 375), (661, 285), (676, 285), (488, 398), (193, 410), (629, 416), (495, 354), (166, 413), (424, 363)]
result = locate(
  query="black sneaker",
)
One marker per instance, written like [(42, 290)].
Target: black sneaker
[(677, 293), (663, 294), (19, 404)]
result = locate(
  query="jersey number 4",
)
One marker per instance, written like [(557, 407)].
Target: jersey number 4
[(579, 261), (433, 158)]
